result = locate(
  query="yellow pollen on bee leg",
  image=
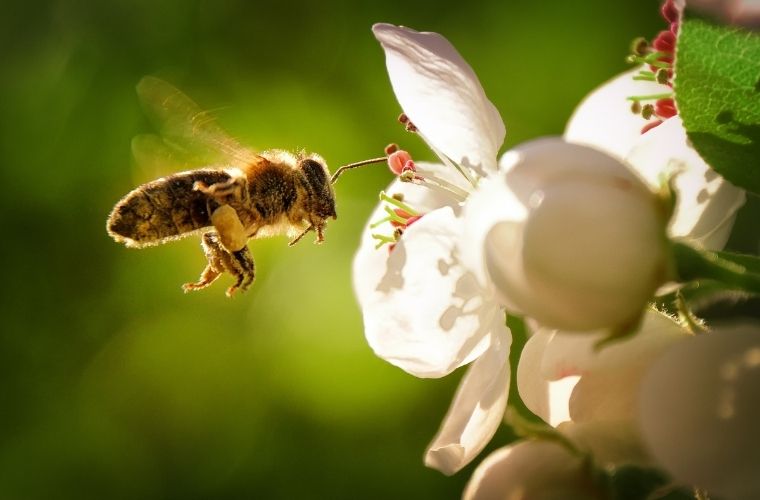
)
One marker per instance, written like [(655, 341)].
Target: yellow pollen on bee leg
[(230, 229)]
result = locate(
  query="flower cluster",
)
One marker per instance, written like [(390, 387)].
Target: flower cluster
[(572, 234)]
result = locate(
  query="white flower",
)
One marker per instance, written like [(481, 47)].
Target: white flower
[(580, 243), (589, 393), (699, 411), (430, 304), (423, 310), (706, 204), (535, 470)]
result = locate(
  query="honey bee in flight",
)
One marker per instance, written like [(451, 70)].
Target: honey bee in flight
[(243, 195)]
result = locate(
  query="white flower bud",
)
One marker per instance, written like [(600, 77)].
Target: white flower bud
[(699, 410), (536, 470), (574, 238)]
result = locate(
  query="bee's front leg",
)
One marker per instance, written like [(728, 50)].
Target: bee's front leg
[(239, 264)]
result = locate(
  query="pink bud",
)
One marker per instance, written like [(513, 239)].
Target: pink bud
[(665, 108), (669, 11), (398, 160), (665, 41)]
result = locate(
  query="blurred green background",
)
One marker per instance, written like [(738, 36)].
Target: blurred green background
[(115, 384)]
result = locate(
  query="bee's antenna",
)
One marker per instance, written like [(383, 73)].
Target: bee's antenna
[(342, 169)]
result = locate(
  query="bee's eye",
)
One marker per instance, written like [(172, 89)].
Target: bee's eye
[(315, 174)]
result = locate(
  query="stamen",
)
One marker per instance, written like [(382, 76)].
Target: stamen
[(393, 216), (646, 78), (390, 149), (382, 240), (647, 111), (380, 222), (398, 203), (662, 77), (649, 126), (652, 97), (639, 46), (407, 123), (450, 163), (453, 189)]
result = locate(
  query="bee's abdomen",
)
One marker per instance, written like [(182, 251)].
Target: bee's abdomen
[(163, 210)]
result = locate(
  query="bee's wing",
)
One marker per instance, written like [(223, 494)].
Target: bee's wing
[(186, 131)]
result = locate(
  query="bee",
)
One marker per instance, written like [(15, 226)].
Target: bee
[(243, 195)]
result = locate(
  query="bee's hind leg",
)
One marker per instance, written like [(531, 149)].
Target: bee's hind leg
[(239, 264)]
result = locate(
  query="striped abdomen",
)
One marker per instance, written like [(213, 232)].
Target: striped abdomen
[(163, 210)]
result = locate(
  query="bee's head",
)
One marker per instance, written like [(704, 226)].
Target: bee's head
[(318, 184)]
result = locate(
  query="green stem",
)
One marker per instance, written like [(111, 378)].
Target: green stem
[(693, 264)]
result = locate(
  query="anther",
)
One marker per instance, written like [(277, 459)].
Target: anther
[(407, 123), (662, 76), (636, 107), (390, 149), (647, 111), (639, 46), (398, 196), (407, 176)]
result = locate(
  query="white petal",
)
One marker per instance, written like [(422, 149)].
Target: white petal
[(371, 265), (442, 96), (699, 411), (490, 203), (551, 363), (535, 470), (477, 409), (546, 397), (427, 314), (706, 202), (604, 119), (571, 353), (611, 442)]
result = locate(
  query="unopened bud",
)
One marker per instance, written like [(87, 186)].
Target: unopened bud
[(587, 248)]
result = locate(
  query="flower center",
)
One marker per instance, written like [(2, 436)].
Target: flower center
[(399, 214), (659, 56)]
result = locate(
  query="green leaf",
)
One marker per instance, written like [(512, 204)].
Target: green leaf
[(717, 88), (750, 262), (733, 271)]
